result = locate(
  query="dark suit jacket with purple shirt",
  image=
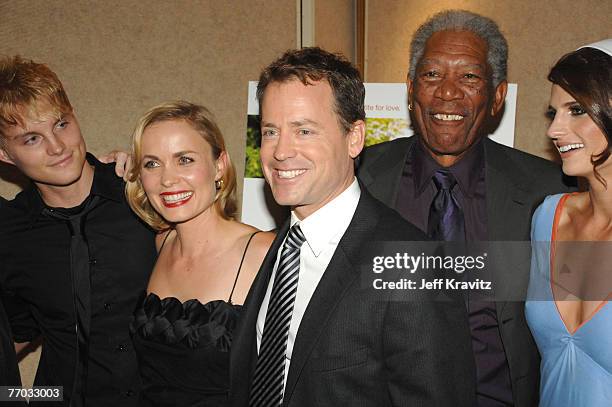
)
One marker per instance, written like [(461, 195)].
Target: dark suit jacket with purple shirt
[(516, 183)]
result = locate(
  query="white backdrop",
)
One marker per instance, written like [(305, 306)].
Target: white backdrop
[(382, 101)]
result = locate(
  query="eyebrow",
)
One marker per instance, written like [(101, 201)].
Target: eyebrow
[(180, 153), (175, 155), (294, 123), (27, 133), (437, 61), (566, 104), (22, 135)]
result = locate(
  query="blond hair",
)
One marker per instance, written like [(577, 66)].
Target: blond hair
[(201, 119), (29, 89)]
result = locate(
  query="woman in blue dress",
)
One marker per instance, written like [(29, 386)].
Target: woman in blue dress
[(571, 274)]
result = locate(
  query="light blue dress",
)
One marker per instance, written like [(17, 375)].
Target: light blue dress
[(576, 370)]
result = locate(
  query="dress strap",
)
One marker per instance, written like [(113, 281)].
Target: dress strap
[(164, 242), (240, 266)]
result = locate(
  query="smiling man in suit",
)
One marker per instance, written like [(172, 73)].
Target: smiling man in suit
[(456, 86), (312, 334)]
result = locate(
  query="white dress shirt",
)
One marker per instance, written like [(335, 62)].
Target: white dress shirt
[(323, 231)]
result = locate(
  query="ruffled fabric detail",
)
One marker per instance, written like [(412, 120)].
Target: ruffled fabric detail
[(190, 324)]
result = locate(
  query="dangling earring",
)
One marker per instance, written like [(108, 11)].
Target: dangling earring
[(409, 106), (218, 184)]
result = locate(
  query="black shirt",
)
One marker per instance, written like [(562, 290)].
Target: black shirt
[(9, 372), (416, 193), (35, 276)]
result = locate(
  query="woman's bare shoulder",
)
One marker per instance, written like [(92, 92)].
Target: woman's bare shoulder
[(161, 238), (262, 241), (259, 242), (253, 258)]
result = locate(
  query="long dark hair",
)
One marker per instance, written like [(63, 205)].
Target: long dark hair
[(586, 74)]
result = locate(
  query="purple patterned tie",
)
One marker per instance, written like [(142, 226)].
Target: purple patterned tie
[(446, 221)]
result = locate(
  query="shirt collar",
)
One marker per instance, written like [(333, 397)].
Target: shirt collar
[(327, 225), (105, 184), (423, 166)]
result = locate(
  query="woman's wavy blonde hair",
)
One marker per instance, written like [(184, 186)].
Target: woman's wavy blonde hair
[(201, 119)]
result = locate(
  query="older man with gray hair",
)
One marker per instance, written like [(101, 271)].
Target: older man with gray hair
[(457, 185)]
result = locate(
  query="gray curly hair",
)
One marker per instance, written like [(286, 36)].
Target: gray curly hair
[(461, 20)]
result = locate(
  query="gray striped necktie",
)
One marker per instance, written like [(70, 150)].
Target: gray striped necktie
[(267, 385)]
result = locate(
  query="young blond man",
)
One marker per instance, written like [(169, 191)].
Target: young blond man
[(75, 260)]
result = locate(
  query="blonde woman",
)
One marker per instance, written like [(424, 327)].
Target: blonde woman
[(183, 184)]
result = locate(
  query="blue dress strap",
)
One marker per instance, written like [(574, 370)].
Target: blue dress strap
[(543, 219)]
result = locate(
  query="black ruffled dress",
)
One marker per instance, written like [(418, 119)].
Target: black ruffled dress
[(183, 349)]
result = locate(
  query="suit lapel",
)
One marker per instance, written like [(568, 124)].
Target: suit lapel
[(336, 281), (382, 178), (244, 349), (507, 196), (508, 209)]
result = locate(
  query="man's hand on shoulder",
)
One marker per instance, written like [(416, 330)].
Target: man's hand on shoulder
[(123, 162)]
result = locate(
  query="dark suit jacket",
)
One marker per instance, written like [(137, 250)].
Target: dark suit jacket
[(354, 346), (516, 183)]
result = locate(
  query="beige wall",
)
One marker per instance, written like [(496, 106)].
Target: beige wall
[(538, 33), (117, 58), (335, 26)]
